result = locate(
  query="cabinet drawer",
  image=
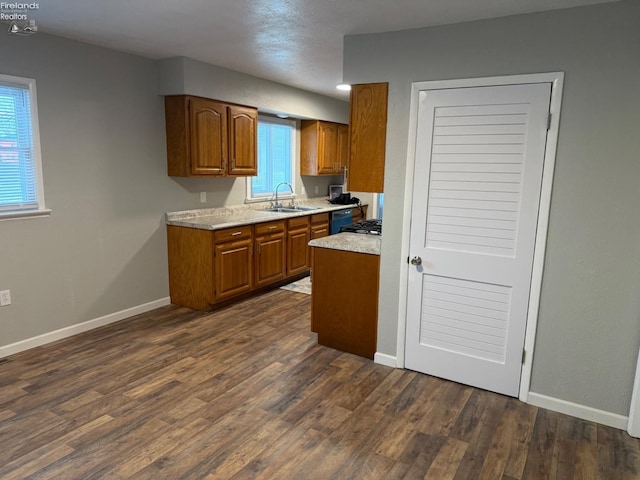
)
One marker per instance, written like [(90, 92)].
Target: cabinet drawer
[(320, 218), (320, 230), (231, 234), (269, 228), (298, 222)]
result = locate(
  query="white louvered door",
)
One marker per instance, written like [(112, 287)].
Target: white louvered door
[(478, 172)]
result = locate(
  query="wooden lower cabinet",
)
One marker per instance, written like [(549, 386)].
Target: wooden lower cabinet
[(233, 252), (191, 272), (269, 253), (319, 228), (359, 213), (298, 235), (344, 300), (319, 225), (208, 267)]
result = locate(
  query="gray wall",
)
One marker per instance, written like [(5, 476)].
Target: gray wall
[(589, 322), (181, 75), (185, 75), (103, 249)]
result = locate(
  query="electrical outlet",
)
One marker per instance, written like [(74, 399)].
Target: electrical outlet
[(316, 189), (203, 197), (5, 298)]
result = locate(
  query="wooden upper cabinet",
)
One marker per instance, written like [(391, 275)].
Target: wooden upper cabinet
[(343, 147), (368, 137), (319, 149), (243, 132), (327, 147), (210, 138), (208, 126)]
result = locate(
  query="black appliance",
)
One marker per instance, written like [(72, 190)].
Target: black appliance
[(338, 219), (345, 199), (370, 227)]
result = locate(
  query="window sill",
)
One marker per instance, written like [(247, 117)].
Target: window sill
[(269, 198), (16, 215)]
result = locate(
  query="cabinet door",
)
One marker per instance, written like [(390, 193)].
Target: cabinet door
[(346, 318), (208, 137), (191, 267), (343, 148), (318, 230), (233, 268), (327, 147), (368, 134), (270, 259), (243, 131), (297, 251)]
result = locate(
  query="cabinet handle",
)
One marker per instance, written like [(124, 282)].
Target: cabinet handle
[(272, 227), (320, 231), (236, 233)]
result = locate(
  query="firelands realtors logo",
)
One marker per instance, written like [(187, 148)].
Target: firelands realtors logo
[(18, 16)]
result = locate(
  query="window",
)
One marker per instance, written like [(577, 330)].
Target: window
[(20, 170), (276, 155), (380, 205)]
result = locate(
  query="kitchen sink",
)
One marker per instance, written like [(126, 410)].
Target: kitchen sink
[(291, 209)]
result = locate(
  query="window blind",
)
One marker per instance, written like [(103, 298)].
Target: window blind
[(18, 181)]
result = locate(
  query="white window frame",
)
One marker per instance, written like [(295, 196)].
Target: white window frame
[(40, 210), (375, 208), (286, 195)]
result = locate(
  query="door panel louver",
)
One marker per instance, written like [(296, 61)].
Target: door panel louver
[(465, 317), (475, 179)]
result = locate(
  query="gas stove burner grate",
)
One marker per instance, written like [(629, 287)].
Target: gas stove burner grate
[(369, 227)]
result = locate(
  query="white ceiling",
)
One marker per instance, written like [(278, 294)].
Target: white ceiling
[(295, 42)]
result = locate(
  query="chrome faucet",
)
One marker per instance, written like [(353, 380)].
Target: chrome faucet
[(278, 204)]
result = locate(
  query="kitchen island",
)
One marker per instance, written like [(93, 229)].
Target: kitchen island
[(344, 292)]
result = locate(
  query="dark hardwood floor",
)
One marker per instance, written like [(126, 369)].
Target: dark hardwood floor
[(246, 393)]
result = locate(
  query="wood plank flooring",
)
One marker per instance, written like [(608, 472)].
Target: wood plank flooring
[(246, 393)]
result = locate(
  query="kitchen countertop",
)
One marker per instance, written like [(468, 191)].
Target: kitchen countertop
[(350, 242), (238, 215)]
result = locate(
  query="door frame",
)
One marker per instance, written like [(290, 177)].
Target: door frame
[(557, 81)]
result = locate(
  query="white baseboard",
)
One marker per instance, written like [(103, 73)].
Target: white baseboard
[(581, 411), (22, 345), (384, 359)]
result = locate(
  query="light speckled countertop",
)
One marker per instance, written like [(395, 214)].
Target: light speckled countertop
[(237, 215), (350, 242)]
